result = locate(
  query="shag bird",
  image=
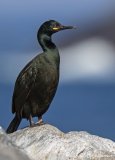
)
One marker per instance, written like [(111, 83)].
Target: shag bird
[(36, 84)]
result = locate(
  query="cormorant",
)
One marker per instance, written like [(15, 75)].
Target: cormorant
[(36, 84)]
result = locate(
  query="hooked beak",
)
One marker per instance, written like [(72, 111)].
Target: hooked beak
[(67, 27), (63, 28)]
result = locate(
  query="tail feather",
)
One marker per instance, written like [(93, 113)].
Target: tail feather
[(13, 125)]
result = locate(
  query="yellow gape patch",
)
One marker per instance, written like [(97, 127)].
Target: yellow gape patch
[(56, 28)]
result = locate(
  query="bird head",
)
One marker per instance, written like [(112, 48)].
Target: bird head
[(52, 26)]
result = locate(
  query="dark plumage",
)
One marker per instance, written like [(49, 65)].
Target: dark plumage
[(36, 84)]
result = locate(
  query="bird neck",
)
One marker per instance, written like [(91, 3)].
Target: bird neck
[(46, 42), (49, 49)]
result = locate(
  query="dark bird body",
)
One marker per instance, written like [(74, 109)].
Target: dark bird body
[(36, 84)]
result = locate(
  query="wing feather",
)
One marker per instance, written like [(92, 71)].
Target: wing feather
[(24, 84)]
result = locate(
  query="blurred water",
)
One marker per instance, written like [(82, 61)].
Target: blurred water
[(76, 106)]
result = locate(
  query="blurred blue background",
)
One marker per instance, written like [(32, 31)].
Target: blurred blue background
[(85, 99)]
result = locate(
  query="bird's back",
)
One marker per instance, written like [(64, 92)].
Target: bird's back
[(35, 86)]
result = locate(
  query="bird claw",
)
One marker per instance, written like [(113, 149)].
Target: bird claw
[(40, 123)]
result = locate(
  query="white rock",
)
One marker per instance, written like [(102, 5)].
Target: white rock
[(8, 151), (48, 143)]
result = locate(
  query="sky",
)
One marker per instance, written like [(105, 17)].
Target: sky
[(87, 70)]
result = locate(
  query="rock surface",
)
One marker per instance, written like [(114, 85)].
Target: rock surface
[(8, 151), (48, 143)]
